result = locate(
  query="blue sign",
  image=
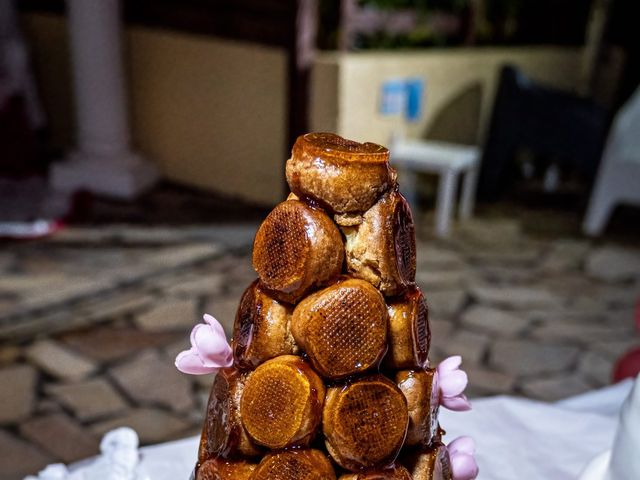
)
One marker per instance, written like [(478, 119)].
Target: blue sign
[(393, 99), (414, 89), (403, 96)]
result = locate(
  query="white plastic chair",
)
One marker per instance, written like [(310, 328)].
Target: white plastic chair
[(447, 160), (618, 179)]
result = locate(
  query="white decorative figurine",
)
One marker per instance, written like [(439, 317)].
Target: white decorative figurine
[(119, 460)]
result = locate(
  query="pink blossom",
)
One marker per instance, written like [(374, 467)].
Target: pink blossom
[(209, 350), (452, 382), (462, 455)]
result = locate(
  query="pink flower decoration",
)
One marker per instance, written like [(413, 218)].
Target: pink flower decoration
[(209, 350), (463, 461), (452, 383)]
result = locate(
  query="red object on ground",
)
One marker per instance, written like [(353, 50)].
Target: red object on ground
[(628, 366)]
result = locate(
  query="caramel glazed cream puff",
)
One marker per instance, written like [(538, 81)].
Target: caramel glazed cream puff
[(330, 377)]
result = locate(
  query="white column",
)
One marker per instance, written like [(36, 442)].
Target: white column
[(103, 161)]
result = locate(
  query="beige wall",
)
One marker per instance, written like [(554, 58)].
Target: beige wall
[(211, 113), (460, 88)]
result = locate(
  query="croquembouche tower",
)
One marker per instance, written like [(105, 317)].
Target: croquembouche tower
[(327, 375)]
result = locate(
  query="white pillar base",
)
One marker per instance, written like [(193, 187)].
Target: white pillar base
[(123, 177)]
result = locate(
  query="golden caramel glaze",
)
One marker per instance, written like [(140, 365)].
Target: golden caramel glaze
[(348, 219), (304, 464), (262, 328), (365, 422), (282, 402), (221, 469), (421, 391), (409, 332), (342, 175), (343, 328), (382, 249), (396, 472), (297, 248), (429, 464), (223, 433)]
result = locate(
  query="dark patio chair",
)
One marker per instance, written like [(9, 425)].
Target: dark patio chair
[(548, 122)]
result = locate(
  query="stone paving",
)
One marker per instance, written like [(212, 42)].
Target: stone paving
[(91, 320)]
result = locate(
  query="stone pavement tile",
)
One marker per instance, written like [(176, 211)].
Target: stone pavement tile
[(58, 361), (489, 231), (596, 367), (614, 264), (242, 271), (433, 258), (224, 308), (23, 284), (620, 296), (238, 235), (564, 255), (197, 285), (19, 458), (614, 349), (431, 280), (205, 381), (495, 321), (17, 399), (440, 329), (67, 291), (527, 357), (226, 263), (581, 333), (505, 257), (88, 400), (570, 286), (132, 235), (114, 306), (151, 379), (151, 424), (446, 303), (48, 405), (566, 315), (589, 305), (555, 388), (9, 354), (26, 327), (107, 344), (515, 298), (169, 315), (183, 255), (61, 436), (483, 381), (173, 349), (506, 274), (621, 318), (8, 306), (472, 346)]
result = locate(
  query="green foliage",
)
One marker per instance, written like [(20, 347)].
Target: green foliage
[(420, 5)]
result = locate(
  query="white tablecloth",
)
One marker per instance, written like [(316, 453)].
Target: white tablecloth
[(516, 438)]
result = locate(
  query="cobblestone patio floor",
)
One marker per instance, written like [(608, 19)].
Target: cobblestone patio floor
[(91, 320)]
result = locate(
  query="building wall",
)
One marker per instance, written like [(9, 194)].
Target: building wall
[(460, 88), (211, 113)]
